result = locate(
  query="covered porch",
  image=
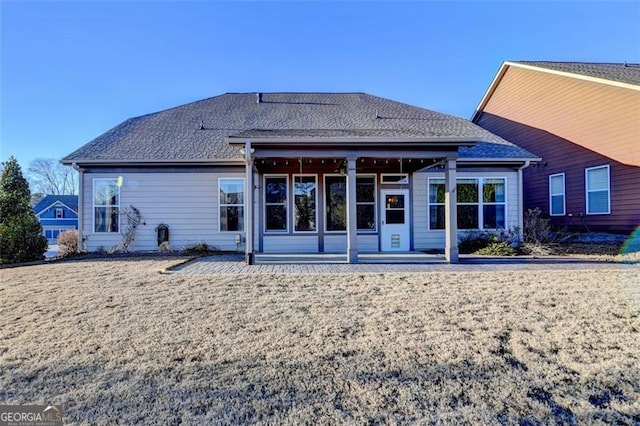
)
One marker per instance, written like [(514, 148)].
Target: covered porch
[(337, 171)]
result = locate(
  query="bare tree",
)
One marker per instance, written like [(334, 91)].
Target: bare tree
[(49, 176)]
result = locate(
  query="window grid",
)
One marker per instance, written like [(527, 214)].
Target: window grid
[(557, 195), (106, 212), (436, 204), (600, 193), (231, 207)]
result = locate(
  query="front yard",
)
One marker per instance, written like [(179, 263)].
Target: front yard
[(114, 341)]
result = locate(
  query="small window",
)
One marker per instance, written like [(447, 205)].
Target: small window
[(106, 205), (59, 213), (305, 191), (275, 203), (231, 200), (556, 195), (598, 190)]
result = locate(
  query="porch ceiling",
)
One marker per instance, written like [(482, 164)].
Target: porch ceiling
[(304, 165)]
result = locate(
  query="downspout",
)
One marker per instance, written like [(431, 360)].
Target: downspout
[(521, 198), (80, 171)]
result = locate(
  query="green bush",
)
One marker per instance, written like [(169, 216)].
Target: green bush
[(498, 248), (21, 238)]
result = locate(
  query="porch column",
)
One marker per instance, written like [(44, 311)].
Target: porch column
[(248, 214), (450, 212), (352, 218)]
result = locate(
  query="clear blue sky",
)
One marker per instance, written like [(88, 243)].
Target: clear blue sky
[(72, 70)]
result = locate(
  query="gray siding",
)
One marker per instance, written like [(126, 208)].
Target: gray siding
[(423, 238), (186, 201)]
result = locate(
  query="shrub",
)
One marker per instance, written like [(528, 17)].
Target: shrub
[(498, 248), (68, 243), (129, 232), (199, 249), (21, 238), (537, 230), (502, 243), (165, 247), (472, 241)]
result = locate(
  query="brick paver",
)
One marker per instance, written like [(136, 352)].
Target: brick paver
[(234, 264)]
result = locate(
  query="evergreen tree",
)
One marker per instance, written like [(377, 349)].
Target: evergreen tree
[(21, 238)]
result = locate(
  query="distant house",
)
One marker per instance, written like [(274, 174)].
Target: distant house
[(57, 213), (299, 173), (583, 120)]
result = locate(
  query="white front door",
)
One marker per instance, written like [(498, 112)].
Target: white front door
[(394, 223)]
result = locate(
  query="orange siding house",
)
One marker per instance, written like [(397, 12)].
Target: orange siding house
[(583, 120)]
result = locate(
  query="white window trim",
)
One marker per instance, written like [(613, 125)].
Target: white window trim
[(293, 202), (564, 195), (481, 203), (93, 202), (587, 191), (61, 210), (220, 204), (287, 204), (375, 204)]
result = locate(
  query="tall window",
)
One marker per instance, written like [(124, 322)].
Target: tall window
[(106, 205), (493, 203), (275, 198), (556, 195), (336, 200), (468, 205), (59, 213), (481, 203), (231, 204), (366, 202), (305, 193), (597, 189)]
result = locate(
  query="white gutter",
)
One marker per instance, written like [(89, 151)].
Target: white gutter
[(198, 162)]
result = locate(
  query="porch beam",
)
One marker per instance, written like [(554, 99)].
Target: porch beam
[(321, 153), (352, 218), (450, 212)]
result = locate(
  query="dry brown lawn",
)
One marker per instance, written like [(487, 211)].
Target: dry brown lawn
[(114, 341)]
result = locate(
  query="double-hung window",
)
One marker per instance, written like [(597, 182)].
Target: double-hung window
[(305, 192), (481, 203), (275, 196), (598, 190), (556, 195), (231, 199), (106, 205)]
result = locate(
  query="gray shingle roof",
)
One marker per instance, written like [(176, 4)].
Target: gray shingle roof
[(176, 134), (624, 73)]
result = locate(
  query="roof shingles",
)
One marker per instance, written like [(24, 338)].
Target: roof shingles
[(199, 130), (621, 72)]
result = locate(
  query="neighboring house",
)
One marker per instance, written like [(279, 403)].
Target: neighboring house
[(57, 213), (299, 172), (583, 120)]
